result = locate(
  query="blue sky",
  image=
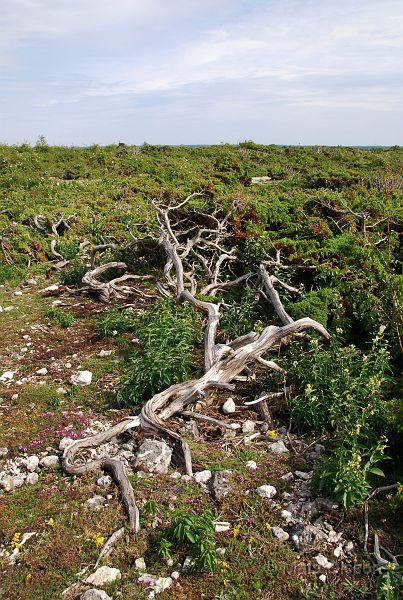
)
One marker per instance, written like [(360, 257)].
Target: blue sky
[(202, 71)]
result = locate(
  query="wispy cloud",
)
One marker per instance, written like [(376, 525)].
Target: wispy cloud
[(145, 58)]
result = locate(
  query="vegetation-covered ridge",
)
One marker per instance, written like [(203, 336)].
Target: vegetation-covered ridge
[(286, 261)]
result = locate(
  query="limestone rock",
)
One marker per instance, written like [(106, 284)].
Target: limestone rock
[(229, 407), (105, 353), (81, 378), (32, 463), (264, 180), (49, 462), (202, 476), (219, 484), (280, 534), (323, 562), (103, 575), (191, 430), (153, 456), (277, 447), (65, 443), (42, 371), (140, 564), (32, 478), (7, 376), (96, 502), (266, 491), (104, 481), (248, 427), (306, 537), (95, 594), (251, 464)]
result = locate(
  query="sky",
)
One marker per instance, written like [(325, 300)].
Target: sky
[(84, 72)]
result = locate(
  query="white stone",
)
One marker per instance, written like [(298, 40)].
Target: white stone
[(7, 376), (287, 476), (221, 526), (31, 281), (286, 515), (32, 463), (302, 475), (61, 390), (248, 427), (229, 407), (140, 564), (161, 584), (49, 462), (338, 551), (322, 578), (175, 475), (187, 563), (266, 491), (51, 288), (277, 447), (251, 464), (3, 452), (202, 476), (103, 575), (175, 575), (349, 547), (323, 562), (96, 502), (280, 534), (81, 378), (42, 371), (8, 308), (261, 180), (104, 481), (221, 551), (65, 443), (32, 478), (17, 293), (153, 456), (105, 353), (95, 595)]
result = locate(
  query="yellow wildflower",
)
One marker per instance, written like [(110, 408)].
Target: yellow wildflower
[(51, 522), (268, 526), (272, 433), (28, 577), (235, 533), (224, 565), (98, 539), (226, 582), (16, 540)]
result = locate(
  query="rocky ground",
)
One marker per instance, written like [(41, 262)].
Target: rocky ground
[(275, 536)]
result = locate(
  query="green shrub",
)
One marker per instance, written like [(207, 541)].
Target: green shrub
[(63, 319), (168, 333), (342, 391), (115, 321), (193, 532), (68, 248), (74, 274)]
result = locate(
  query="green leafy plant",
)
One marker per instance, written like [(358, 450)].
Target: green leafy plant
[(196, 532), (342, 392), (74, 274), (168, 333), (389, 582), (63, 319), (114, 321)]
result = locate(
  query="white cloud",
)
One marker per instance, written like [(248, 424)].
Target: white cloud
[(226, 55)]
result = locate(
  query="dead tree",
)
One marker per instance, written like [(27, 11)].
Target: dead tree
[(199, 259)]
